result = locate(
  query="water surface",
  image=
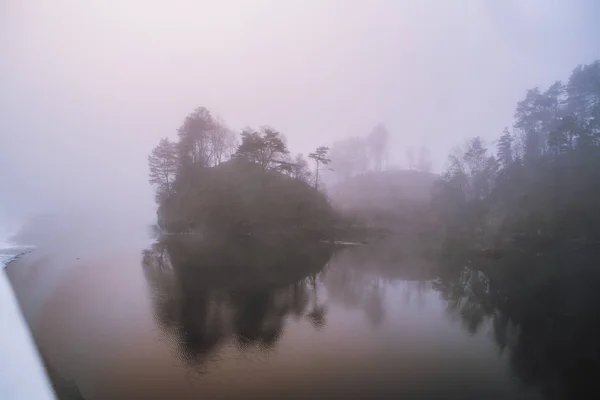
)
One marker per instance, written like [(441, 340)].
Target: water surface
[(254, 319)]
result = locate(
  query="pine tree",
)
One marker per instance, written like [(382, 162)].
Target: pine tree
[(504, 148), (321, 157)]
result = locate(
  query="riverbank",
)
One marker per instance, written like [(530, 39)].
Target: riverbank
[(11, 253), (60, 288), (22, 374)]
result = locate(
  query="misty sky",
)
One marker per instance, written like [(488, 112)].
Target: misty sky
[(88, 87)]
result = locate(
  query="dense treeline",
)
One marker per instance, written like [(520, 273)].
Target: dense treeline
[(543, 183), (522, 228), (207, 181)]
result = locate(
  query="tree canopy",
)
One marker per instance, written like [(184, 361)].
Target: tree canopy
[(265, 148), (204, 140), (544, 179), (203, 183), (521, 230)]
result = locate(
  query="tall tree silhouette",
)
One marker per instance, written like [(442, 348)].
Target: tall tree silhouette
[(321, 157), (194, 138), (163, 164), (504, 148), (377, 142)]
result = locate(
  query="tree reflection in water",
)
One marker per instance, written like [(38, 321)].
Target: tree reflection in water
[(544, 309), (358, 276), (240, 290)]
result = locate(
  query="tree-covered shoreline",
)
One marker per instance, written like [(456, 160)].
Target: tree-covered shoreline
[(543, 182), (207, 182), (522, 235)]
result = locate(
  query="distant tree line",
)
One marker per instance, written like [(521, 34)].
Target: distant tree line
[(522, 235), (419, 159), (355, 156), (543, 179)]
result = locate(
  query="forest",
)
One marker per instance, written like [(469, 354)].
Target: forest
[(536, 184), (521, 229), (512, 228), (542, 183)]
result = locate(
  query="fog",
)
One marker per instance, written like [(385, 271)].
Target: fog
[(88, 88)]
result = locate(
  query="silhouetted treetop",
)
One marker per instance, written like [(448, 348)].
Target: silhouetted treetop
[(265, 148)]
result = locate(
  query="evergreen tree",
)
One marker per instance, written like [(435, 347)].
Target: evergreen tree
[(504, 148), (321, 157)]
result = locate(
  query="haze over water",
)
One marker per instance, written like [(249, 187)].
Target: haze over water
[(260, 136), (340, 323)]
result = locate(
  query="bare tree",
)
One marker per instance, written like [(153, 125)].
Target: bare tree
[(194, 138), (377, 144), (163, 164), (222, 142)]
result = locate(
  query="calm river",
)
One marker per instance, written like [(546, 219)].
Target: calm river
[(244, 320)]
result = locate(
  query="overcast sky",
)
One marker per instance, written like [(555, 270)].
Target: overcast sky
[(88, 87)]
